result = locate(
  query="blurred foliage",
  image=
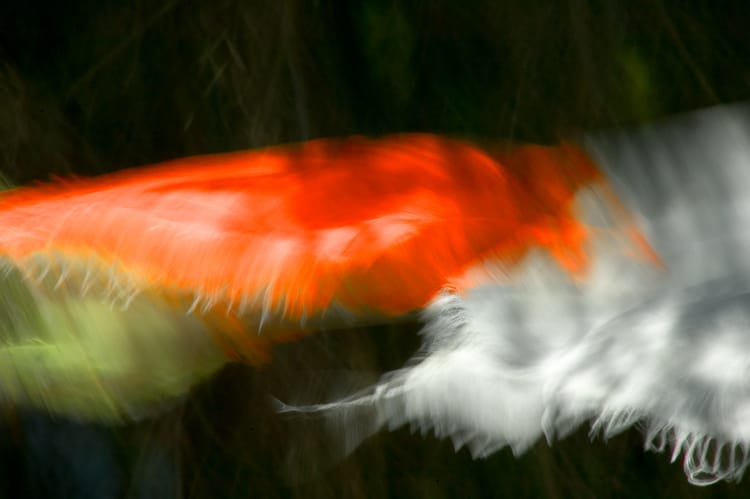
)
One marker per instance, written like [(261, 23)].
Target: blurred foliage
[(92, 86)]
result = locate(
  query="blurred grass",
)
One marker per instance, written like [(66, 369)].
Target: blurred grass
[(89, 87)]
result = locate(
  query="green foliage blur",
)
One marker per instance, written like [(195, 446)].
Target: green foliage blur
[(93, 86)]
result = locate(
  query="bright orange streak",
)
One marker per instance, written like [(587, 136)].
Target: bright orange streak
[(371, 225)]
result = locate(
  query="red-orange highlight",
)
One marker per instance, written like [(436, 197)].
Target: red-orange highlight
[(372, 225)]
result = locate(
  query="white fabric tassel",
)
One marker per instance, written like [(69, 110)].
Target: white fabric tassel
[(540, 353)]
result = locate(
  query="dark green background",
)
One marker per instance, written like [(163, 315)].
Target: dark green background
[(91, 86)]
